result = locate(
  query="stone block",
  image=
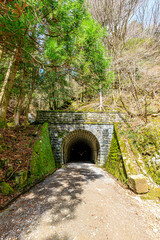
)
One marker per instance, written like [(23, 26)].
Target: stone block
[(138, 183)]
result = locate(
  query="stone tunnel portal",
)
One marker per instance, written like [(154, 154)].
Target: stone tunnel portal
[(81, 146)]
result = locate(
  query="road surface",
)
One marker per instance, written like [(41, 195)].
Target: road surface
[(80, 202)]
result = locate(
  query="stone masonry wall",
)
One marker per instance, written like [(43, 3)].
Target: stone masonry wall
[(62, 123), (77, 117), (102, 132)]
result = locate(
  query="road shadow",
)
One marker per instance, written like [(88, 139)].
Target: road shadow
[(58, 196), (56, 237)]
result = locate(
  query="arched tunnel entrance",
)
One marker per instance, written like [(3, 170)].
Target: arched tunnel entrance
[(80, 151), (80, 146)]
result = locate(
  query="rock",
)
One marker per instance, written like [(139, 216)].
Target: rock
[(21, 178), (6, 189), (138, 183), (31, 119)]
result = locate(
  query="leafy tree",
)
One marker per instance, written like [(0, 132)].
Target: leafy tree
[(26, 26), (17, 28), (90, 61), (59, 37)]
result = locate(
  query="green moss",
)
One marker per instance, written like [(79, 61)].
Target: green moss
[(127, 159), (153, 194), (147, 143), (62, 134), (114, 164), (139, 147), (58, 165), (148, 139), (140, 163), (6, 189), (34, 134), (42, 160), (3, 124), (21, 178)]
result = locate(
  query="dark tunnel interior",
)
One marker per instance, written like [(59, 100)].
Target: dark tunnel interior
[(80, 151)]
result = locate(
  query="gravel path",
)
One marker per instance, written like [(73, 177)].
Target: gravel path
[(80, 202)]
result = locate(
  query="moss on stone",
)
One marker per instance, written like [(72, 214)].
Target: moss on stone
[(6, 189), (148, 139), (62, 134), (153, 194), (140, 149), (137, 157), (114, 164), (42, 160), (127, 159), (148, 144), (58, 165), (21, 178)]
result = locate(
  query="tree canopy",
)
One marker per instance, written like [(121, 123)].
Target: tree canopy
[(44, 42)]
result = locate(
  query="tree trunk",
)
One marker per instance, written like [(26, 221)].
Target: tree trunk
[(7, 77), (8, 89), (10, 82), (30, 97), (100, 99), (18, 108), (1, 53), (146, 111)]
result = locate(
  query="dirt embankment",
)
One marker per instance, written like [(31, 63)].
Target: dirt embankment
[(15, 153)]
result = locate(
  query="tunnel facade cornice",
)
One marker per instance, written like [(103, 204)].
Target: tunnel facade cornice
[(67, 128)]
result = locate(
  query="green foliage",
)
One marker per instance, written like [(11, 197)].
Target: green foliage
[(81, 55), (148, 140), (6, 189), (17, 24), (144, 144), (21, 178), (59, 37), (90, 59), (114, 164), (56, 89), (153, 194), (3, 124), (42, 160)]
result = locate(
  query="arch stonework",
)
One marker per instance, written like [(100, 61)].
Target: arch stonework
[(96, 129), (99, 137), (84, 136)]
